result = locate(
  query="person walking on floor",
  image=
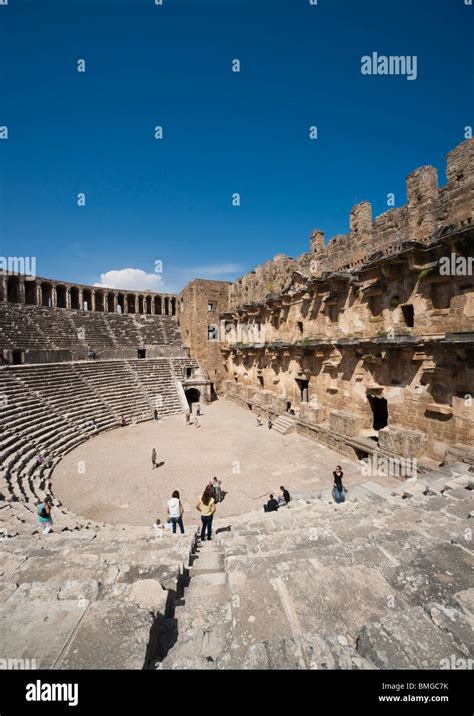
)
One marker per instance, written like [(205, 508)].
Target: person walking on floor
[(259, 421), (338, 490), (153, 459), (175, 511), (207, 508)]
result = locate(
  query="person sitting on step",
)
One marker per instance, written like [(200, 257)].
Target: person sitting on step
[(271, 506)]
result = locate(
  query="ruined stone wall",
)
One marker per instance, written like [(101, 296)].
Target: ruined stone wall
[(372, 318), (195, 319), (429, 212)]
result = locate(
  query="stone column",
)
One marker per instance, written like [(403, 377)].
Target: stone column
[(54, 297), (68, 297), (39, 295), (3, 280), (125, 303), (81, 299), (92, 300), (115, 302), (21, 288)]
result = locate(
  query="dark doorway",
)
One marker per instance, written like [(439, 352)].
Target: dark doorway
[(86, 300), (13, 289), (408, 315), (30, 293), (192, 396), (16, 358), (303, 386), (46, 295), (99, 301), (260, 381), (131, 303), (61, 296), (74, 297), (142, 352), (379, 410)]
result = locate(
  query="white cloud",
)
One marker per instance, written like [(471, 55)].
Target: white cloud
[(131, 279)]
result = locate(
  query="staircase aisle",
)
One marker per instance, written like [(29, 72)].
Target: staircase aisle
[(202, 619)]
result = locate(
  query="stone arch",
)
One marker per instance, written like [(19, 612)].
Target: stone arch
[(61, 296), (99, 301), (31, 293), (110, 302), (193, 395), (46, 294), (131, 303), (87, 299), (74, 294), (13, 289)]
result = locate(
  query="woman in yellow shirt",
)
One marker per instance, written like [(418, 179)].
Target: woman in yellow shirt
[(207, 508)]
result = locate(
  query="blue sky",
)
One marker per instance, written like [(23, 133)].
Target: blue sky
[(224, 132)]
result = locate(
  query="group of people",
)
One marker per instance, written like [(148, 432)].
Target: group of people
[(282, 500), (269, 422), (45, 459), (338, 493), (194, 421), (206, 505)]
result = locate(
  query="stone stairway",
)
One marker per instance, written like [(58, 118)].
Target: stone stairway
[(284, 424), (383, 580), (200, 631)]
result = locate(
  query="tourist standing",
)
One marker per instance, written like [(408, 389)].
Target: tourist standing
[(216, 486), (259, 421), (44, 515), (196, 422), (198, 409), (338, 490), (175, 511), (270, 424), (207, 508), (153, 459)]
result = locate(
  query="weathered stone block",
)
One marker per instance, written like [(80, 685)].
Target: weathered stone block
[(344, 423)]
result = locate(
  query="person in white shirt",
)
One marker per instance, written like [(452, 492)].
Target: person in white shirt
[(175, 511)]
